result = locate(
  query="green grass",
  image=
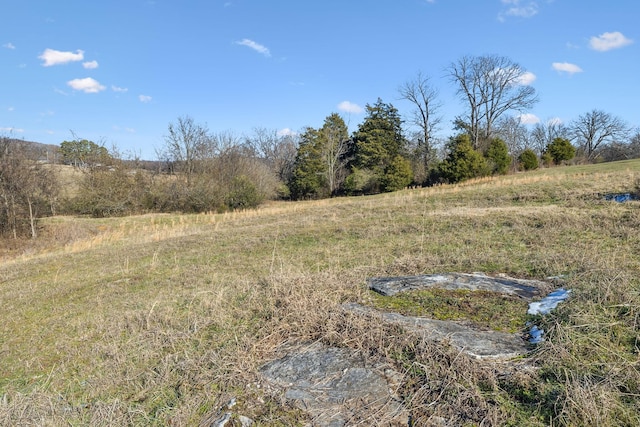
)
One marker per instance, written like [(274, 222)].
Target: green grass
[(160, 319), (485, 310)]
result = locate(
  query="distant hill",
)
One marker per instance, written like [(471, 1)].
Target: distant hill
[(48, 153)]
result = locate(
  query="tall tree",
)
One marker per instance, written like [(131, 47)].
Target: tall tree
[(425, 116), (378, 141), (593, 130), (490, 86), (307, 179), (334, 141)]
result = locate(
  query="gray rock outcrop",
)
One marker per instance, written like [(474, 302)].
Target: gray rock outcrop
[(527, 289), (476, 343), (336, 387)]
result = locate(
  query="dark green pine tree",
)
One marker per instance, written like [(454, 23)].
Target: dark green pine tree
[(498, 156), (462, 162), (376, 146), (308, 177)]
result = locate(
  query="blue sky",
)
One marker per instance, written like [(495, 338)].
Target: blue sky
[(119, 71)]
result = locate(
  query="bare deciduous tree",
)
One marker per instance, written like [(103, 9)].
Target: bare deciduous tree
[(425, 116), (491, 86), (514, 133), (543, 134), (593, 130), (26, 188), (186, 144), (277, 150), (335, 143)]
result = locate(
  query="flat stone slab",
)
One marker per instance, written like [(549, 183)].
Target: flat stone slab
[(335, 387), (476, 343), (526, 289)]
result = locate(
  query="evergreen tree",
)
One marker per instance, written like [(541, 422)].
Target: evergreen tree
[(498, 156), (463, 162), (397, 175), (560, 150), (308, 175), (377, 143), (528, 160)]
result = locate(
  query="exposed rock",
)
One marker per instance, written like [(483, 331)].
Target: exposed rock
[(336, 387), (479, 344), (527, 289)]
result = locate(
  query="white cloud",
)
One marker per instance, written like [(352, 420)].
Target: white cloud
[(55, 57), (9, 46), (86, 85), (565, 67), (608, 41), (519, 9), (90, 65), (286, 132), (350, 107), (10, 109), (12, 130), (119, 89), (529, 119), (255, 46), (526, 78), (144, 98)]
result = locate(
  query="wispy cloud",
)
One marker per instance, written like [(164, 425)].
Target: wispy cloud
[(529, 119), (608, 41), (55, 57), (86, 85), (255, 46), (12, 130), (350, 107), (9, 46), (90, 65), (566, 67), (119, 89), (518, 8), (286, 132), (144, 98)]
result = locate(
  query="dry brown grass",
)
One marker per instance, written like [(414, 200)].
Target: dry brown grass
[(160, 319)]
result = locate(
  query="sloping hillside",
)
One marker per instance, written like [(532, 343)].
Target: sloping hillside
[(162, 319)]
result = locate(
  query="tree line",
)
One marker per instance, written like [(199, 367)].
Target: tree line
[(198, 170)]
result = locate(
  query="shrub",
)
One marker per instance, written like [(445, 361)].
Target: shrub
[(498, 156), (397, 175), (243, 194), (463, 162), (360, 181), (560, 150), (528, 160)]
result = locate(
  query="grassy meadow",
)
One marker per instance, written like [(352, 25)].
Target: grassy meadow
[(161, 319)]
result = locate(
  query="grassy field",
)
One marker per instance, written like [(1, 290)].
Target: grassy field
[(161, 319)]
